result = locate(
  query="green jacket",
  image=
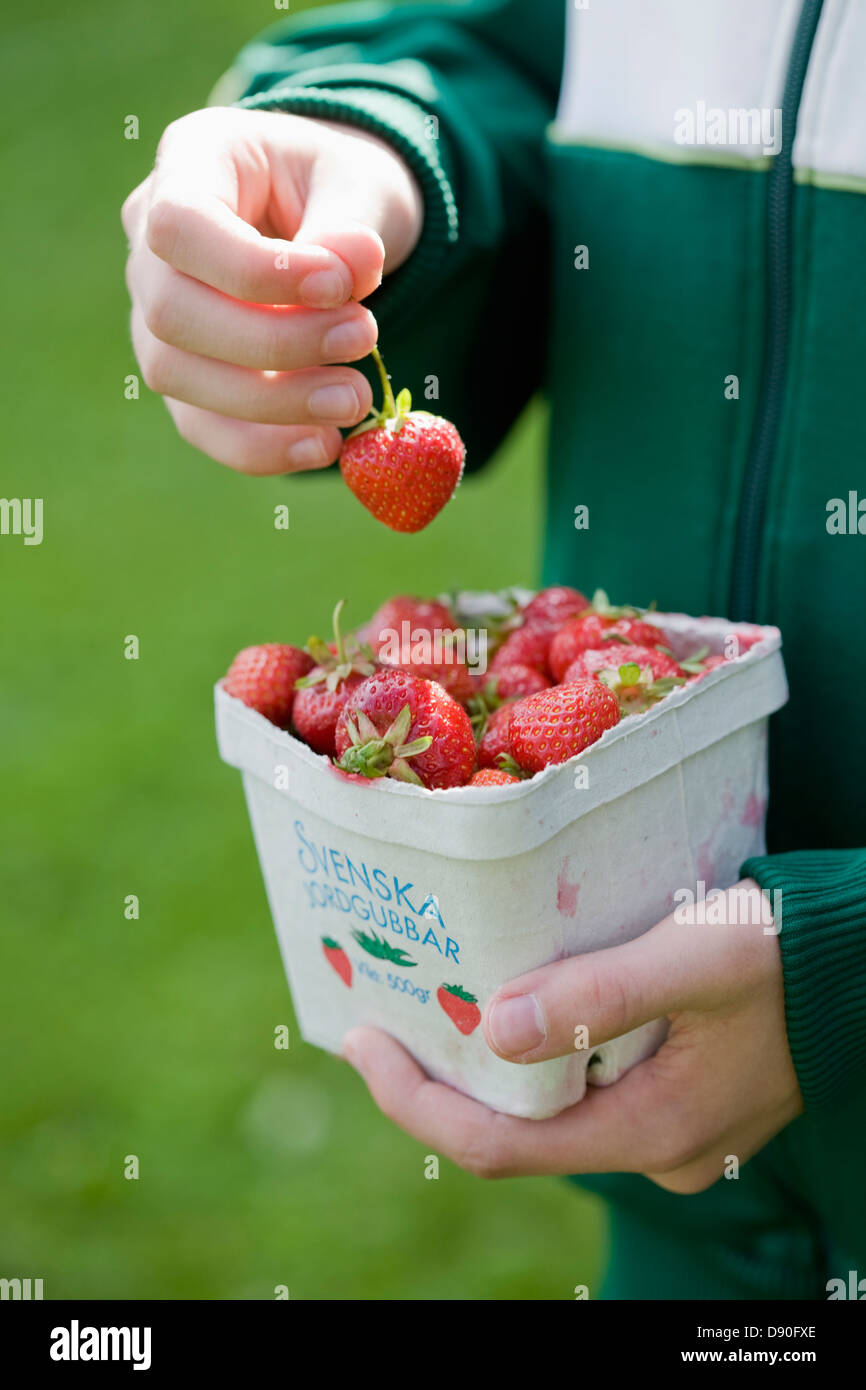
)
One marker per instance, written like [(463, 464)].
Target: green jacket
[(705, 368)]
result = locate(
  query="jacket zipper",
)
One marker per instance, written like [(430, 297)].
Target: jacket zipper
[(765, 432)]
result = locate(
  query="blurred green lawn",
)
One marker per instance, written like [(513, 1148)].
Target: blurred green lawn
[(155, 1037)]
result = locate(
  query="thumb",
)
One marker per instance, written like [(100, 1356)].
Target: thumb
[(588, 1000)]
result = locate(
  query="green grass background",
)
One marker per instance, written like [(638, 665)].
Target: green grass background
[(155, 1037)]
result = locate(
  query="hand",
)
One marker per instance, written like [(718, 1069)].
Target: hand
[(722, 1083), (247, 243)]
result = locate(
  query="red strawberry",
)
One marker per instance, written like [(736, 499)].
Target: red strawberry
[(455, 677), (638, 676), (551, 608), (516, 682), (555, 724), (341, 666), (317, 710), (526, 646), (709, 664), (494, 741), (402, 464), (617, 654), (492, 777), (423, 616), (461, 1008), (394, 717), (337, 959), (594, 631), (264, 678)]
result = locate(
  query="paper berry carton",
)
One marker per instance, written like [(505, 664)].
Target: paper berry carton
[(406, 909)]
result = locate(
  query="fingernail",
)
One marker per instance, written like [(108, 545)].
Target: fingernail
[(308, 453), (334, 403), (517, 1025), (325, 289), (347, 340)]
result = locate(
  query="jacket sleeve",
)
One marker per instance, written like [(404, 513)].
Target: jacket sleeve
[(464, 92), (823, 944)]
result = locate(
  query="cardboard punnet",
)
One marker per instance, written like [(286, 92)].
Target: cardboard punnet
[(417, 890)]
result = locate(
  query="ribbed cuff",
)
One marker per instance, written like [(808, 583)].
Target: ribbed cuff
[(413, 132), (823, 945)]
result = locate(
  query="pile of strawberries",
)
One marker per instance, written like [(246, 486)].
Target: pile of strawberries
[(562, 670)]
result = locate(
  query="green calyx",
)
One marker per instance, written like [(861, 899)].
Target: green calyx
[(334, 667), (372, 754), (695, 662), (506, 763), (635, 687), (601, 605), (395, 411), (481, 706), (460, 993)]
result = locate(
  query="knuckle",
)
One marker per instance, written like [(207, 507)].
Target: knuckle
[(153, 361), (164, 219), (160, 315)]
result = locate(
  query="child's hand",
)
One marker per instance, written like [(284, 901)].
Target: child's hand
[(721, 1084), (247, 243)]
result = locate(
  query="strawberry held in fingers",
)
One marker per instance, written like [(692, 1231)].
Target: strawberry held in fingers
[(402, 464), (264, 678), (553, 726), (398, 725)]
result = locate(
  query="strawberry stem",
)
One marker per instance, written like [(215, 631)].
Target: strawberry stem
[(389, 405)]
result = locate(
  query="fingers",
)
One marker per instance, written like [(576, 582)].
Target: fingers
[(629, 1127), (209, 190), (361, 199), (259, 450), (587, 1000), (313, 396), (187, 314)]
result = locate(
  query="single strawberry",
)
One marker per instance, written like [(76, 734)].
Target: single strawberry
[(515, 682), (453, 676), (604, 624), (591, 662), (632, 681), (402, 464), (526, 646), (550, 608), (317, 711), (337, 959), (461, 1008), (264, 678), (321, 694), (554, 725), (492, 777), (403, 620), (707, 665), (395, 717), (494, 739)]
